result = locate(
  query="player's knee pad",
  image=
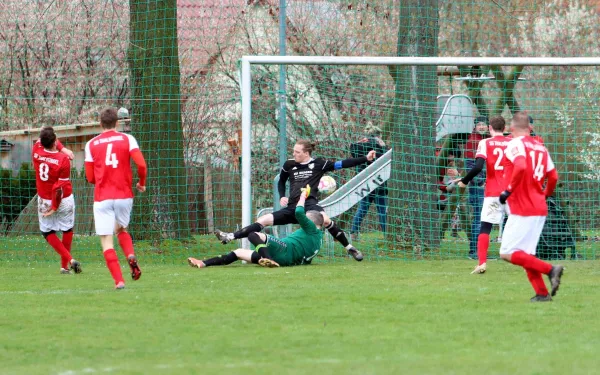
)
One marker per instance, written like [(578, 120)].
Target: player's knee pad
[(486, 228), (46, 234), (255, 239)]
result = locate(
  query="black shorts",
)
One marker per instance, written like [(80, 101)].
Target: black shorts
[(287, 215)]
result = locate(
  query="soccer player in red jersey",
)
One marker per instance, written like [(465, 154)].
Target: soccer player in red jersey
[(107, 165), (528, 167), (490, 153), (56, 206)]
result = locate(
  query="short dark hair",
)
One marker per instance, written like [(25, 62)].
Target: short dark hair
[(307, 146), (497, 123), (479, 119), (109, 118), (47, 137)]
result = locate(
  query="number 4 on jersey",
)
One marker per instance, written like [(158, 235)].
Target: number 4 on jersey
[(111, 158)]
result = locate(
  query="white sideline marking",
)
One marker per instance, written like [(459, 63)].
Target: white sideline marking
[(89, 370), (52, 292)]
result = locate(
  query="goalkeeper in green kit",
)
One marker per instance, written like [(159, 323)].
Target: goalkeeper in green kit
[(298, 248)]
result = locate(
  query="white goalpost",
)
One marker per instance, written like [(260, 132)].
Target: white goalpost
[(246, 89)]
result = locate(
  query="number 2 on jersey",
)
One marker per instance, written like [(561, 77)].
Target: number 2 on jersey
[(498, 166), (111, 158), (538, 168)]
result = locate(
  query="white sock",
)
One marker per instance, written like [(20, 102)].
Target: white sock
[(349, 246)]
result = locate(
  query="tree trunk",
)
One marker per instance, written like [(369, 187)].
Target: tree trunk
[(156, 119), (411, 125)]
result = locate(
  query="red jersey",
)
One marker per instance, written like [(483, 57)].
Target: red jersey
[(52, 172), (110, 153), (528, 197), (492, 150)]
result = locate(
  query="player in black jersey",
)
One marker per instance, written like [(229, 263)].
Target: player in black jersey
[(302, 170)]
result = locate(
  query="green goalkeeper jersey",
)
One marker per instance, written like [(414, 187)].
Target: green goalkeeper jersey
[(304, 244)]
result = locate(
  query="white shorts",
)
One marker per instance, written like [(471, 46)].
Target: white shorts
[(492, 211), (63, 219), (110, 212), (522, 233)]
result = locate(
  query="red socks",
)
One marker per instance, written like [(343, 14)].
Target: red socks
[(521, 258), (536, 280), (534, 268), (58, 246), (483, 242), (67, 240), (112, 262), (126, 243)]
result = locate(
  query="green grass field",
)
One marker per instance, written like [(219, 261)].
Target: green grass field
[(344, 317)]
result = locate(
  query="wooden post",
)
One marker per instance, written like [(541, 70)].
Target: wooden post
[(208, 194)]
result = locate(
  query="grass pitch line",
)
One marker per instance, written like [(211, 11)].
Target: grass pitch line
[(53, 292)]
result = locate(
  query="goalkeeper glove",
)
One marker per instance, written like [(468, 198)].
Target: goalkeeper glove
[(306, 191), (504, 196)]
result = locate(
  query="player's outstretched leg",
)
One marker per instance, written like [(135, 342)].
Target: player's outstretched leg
[(269, 263), (555, 275), (65, 257), (196, 263), (221, 260), (225, 237), (340, 236), (112, 263), (75, 266), (126, 244), (539, 298), (67, 239)]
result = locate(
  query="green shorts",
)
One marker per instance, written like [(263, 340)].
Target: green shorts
[(279, 251)]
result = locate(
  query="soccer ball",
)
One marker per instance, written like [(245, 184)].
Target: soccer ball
[(327, 185)]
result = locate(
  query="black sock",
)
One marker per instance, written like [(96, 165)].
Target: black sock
[(221, 260), (244, 232), (338, 234), (255, 257), (255, 239), (263, 251)]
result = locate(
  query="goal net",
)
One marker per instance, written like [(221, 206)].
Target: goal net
[(425, 110)]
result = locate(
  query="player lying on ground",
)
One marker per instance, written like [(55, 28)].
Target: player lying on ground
[(302, 170), (298, 248), (490, 154), (528, 166), (56, 205), (107, 166)]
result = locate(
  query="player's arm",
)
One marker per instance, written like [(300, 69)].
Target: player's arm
[(89, 165), (64, 150), (300, 213), (475, 170), (283, 177), (142, 168), (480, 158), (552, 176), (64, 176), (348, 163)]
